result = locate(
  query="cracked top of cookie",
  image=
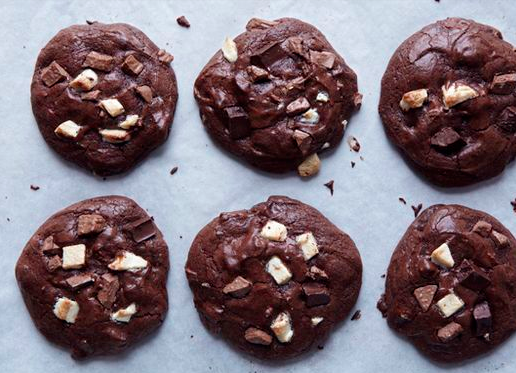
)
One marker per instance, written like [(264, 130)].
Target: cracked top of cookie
[(103, 95), (93, 276), (275, 279), (449, 102), (450, 285), (277, 94)]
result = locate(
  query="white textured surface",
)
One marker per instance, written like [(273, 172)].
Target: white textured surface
[(209, 181)]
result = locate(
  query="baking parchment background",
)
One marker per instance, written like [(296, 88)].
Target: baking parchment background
[(209, 181)]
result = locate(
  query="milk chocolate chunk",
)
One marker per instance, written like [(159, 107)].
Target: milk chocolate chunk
[(238, 288), (471, 276), (298, 106), (90, 223), (326, 59), (238, 122), (268, 55), (77, 281), (145, 92), (54, 263), (49, 247), (425, 295), (142, 229), (449, 332), (316, 294), (132, 66), (257, 336), (503, 84), (303, 140), (53, 74), (99, 61), (483, 319), (483, 228), (109, 285)]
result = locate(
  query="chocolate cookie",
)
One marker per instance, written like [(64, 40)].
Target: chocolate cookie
[(93, 276), (103, 96), (450, 286), (275, 279), (277, 95), (448, 101)]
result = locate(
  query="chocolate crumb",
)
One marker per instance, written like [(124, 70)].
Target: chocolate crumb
[(357, 315), (352, 164), (402, 200), (383, 276), (183, 22), (513, 204), (34, 187), (417, 209), (361, 158), (174, 170), (353, 144), (329, 185), (320, 347)]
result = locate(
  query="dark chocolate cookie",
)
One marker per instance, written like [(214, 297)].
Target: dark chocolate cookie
[(275, 279), (451, 283), (449, 102), (277, 95), (103, 95), (93, 276)]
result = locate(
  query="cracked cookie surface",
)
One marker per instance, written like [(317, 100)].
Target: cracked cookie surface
[(450, 286), (273, 280), (93, 276), (103, 96), (448, 101), (277, 94)]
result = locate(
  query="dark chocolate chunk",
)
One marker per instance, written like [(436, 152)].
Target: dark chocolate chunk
[(99, 61), (142, 229), (91, 96), (257, 74), (316, 294), (165, 57), (145, 92), (483, 319), (78, 281), (298, 106), (303, 140), (449, 332), (445, 137), (471, 276), (183, 22), (425, 295), (53, 74), (483, 228), (295, 45), (238, 288), (54, 263), (268, 55), (257, 336), (108, 287), (317, 274), (326, 59), (132, 66), (238, 122), (90, 223), (507, 119), (329, 185), (503, 84), (49, 247)]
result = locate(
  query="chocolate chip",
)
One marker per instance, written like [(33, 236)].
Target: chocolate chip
[(53, 74), (49, 247), (483, 228), (173, 170), (54, 263), (298, 106), (503, 84), (99, 61), (91, 96), (501, 240), (108, 287), (165, 57), (268, 55), (353, 164), (78, 281), (90, 223), (329, 185), (483, 318), (257, 336), (425, 295), (316, 294), (183, 22), (238, 122), (142, 229), (326, 59), (303, 141), (472, 277), (417, 209), (449, 332), (132, 66), (317, 274), (238, 288)]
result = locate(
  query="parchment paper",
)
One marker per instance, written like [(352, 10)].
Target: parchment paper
[(365, 203)]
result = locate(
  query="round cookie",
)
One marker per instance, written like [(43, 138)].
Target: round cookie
[(277, 95), (448, 101), (103, 96), (93, 276), (275, 279), (450, 284)]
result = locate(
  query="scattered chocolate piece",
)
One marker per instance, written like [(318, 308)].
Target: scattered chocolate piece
[(132, 66), (165, 57), (266, 56), (238, 288), (108, 287), (383, 276), (500, 239), (145, 92), (183, 22), (49, 247), (483, 318), (425, 295), (329, 185), (352, 164), (316, 294), (99, 61), (353, 144), (483, 228), (53, 74), (90, 223), (91, 96), (238, 122), (513, 204), (299, 105), (472, 277), (402, 200), (356, 316), (173, 170), (34, 187), (257, 336), (449, 332), (142, 229), (503, 84), (417, 209), (78, 281), (54, 263)]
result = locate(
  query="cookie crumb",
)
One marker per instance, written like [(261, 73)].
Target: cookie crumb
[(417, 209), (174, 170), (34, 187), (513, 204), (383, 276), (352, 164), (329, 185), (183, 22), (402, 200), (353, 144), (356, 316), (320, 347)]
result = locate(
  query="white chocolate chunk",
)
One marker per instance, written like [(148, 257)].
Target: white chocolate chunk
[(317, 320), (450, 304), (282, 327), (124, 314), (127, 261), (413, 99), (442, 256), (74, 256), (68, 129), (308, 245), (85, 81), (322, 97), (310, 166), (114, 136), (229, 50), (274, 231), (311, 116), (129, 122), (66, 309), (278, 270), (455, 93), (112, 106)]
